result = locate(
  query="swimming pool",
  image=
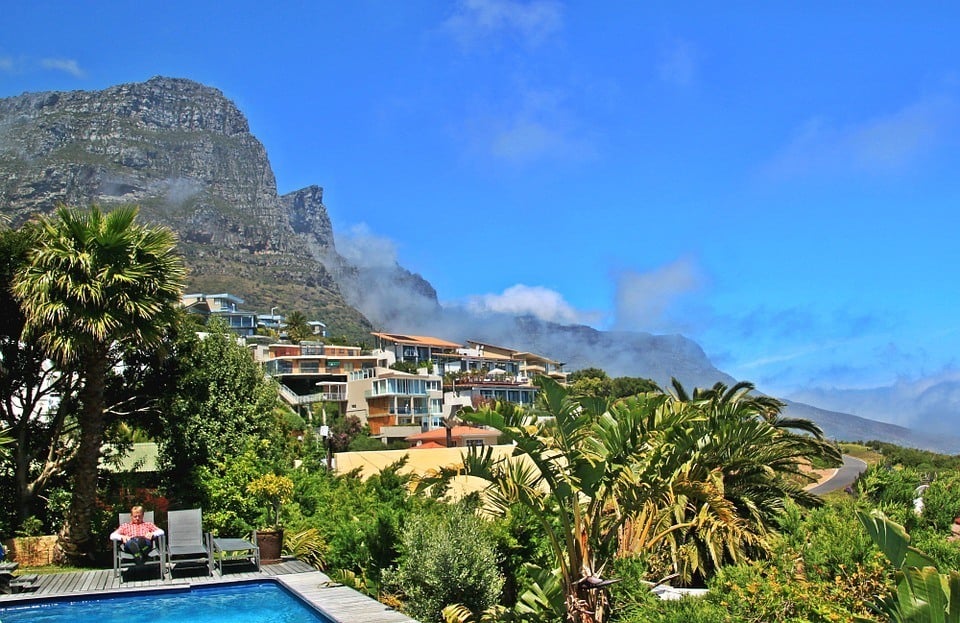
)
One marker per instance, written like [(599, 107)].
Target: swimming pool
[(256, 602)]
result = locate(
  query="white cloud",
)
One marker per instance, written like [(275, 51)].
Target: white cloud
[(364, 249), (6, 64), (66, 65), (523, 141), (538, 301), (540, 127), (482, 20), (884, 144), (678, 63), (644, 301)]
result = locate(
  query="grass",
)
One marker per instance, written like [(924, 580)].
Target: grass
[(868, 455), (51, 569)]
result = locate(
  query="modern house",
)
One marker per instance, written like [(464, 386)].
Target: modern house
[(531, 365), (225, 306), (313, 372), (361, 383), (415, 349), (243, 323)]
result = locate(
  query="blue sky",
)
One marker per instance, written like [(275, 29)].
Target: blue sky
[(778, 181)]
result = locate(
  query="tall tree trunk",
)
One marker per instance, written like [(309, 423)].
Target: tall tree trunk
[(75, 544)]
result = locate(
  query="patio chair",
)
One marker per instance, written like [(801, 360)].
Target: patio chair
[(122, 559), (187, 543)]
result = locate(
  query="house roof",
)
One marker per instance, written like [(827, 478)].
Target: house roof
[(141, 458), (458, 432), (427, 445), (416, 340)]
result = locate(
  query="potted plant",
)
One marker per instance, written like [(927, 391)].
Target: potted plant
[(274, 491)]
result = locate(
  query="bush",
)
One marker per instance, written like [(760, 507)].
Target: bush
[(934, 544), (448, 558), (767, 592), (941, 503), (885, 486), (824, 541)]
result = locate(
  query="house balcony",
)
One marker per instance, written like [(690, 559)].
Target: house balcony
[(375, 394), (295, 399)]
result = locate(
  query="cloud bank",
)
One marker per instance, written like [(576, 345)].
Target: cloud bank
[(930, 404)]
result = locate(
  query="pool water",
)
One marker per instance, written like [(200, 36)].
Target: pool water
[(262, 602)]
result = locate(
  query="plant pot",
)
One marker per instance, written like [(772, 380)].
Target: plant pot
[(270, 543)]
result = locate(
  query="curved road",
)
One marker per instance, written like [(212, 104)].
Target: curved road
[(846, 475)]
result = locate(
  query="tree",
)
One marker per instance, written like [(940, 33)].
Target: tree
[(95, 280), (582, 467), (41, 438), (744, 461), (218, 398), (624, 386), (297, 327)]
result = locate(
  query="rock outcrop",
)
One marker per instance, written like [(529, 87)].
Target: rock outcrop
[(184, 153)]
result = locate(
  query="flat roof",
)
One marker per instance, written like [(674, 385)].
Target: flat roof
[(416, 340)]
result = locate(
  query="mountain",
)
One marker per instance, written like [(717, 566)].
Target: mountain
[(185, 154)]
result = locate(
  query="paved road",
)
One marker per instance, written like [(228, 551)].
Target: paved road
[(846, 475)]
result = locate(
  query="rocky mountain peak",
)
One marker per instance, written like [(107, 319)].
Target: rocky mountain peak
[(183, 152)]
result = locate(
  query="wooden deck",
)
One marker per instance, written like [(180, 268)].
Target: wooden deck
[(337, 602)]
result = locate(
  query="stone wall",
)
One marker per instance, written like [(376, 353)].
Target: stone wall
[(31, 551)]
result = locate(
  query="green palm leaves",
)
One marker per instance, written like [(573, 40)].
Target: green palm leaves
[(688, 481), (96, 278), (923, 594)]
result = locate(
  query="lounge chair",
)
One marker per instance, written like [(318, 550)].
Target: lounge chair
[(123, 559), (187, 543)]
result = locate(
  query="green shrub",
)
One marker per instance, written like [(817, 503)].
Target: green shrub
[(448, 558), (941, 503), (885, 485), (767, 592), (686, 610), (934, 544), (824, 541)]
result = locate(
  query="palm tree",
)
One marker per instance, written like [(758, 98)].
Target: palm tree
[(745, 460), (297, 327), (96, 280), (582, 467)]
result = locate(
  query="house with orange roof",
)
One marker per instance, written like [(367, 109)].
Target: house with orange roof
[(416, 349), (459, 437)]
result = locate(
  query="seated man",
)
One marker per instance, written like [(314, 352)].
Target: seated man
[(136, 536)]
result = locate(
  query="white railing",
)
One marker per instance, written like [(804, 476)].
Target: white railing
[(294, 398)]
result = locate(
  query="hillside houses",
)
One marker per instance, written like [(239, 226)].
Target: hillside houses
[(438, 377), (397, 405)]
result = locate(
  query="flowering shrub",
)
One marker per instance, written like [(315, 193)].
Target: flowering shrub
[(274, 491)]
